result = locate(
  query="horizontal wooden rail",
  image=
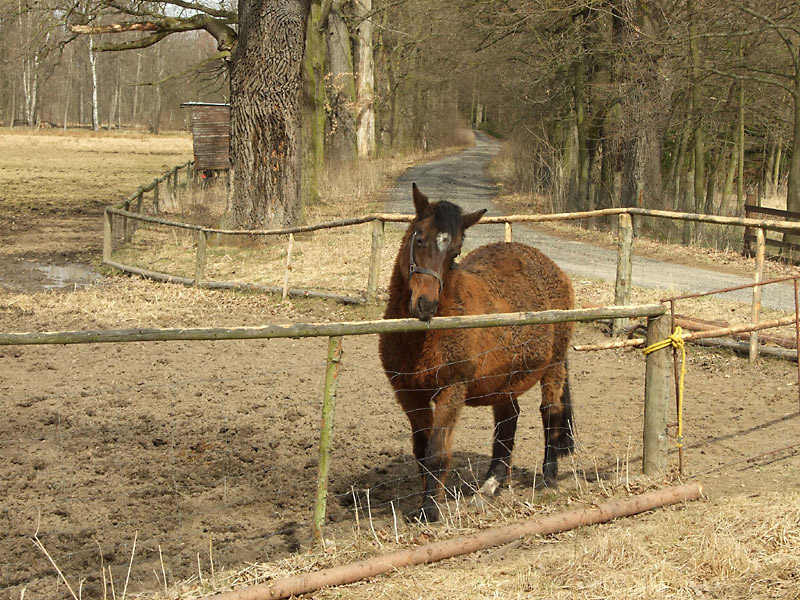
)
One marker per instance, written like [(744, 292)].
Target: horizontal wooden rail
[(299, 330), (739, 221), (148, 219), (695, 335), (150, 186), (541, 218), (212, 284)]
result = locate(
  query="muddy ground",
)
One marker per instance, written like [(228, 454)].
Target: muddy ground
[(209, 450)]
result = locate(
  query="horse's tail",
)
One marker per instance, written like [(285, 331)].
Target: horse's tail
[(566, 436)]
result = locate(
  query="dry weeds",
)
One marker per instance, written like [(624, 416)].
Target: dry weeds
[(745, 546)]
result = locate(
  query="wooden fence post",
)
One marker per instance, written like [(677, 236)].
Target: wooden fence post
[(375, 259), (127, 234), (656, 387), (326, 433), (156, 184), (509, 233), (622, 289), (761, 248), (200, 265), (285, 292), (107, 224)]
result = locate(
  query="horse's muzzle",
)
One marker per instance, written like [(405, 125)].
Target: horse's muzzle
[(424, 309)]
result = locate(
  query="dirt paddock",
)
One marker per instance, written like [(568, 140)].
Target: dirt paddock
[(205, 453), (209, 449)]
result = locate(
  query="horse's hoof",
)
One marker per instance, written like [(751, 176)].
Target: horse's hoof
[(489, 486)]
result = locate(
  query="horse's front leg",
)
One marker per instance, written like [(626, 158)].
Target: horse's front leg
[(417, 407), (505, 429), (447, 406)]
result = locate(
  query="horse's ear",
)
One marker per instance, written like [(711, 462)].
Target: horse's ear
[(420, 200), (470, 219)]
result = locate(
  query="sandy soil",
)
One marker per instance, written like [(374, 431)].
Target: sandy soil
[(209, 450), (183, 445)]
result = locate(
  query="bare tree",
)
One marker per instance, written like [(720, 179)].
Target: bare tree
[(263, 43)]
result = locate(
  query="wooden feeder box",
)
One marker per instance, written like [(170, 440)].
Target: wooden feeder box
[(211, 135)]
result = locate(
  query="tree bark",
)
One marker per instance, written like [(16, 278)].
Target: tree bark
[(266, 83), (341, 88), (793, 185), (365, 81), (579, 198), (725, 208), (316, 101), (642, 104)]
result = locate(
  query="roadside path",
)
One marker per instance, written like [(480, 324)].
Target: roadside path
[(462, 179)]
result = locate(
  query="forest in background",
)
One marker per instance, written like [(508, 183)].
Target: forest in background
[(685, 105)]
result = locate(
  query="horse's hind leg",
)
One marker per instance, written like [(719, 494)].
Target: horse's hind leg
[(505, 429), (557, 419)]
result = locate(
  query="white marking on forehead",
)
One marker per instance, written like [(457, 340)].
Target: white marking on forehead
[(443, 240)]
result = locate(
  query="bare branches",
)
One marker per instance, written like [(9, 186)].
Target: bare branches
[(218, 27)]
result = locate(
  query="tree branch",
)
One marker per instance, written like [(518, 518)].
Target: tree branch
[(219, 28), (143, 42), (778, 30), (115, 28), (214, 12), (764, 80)]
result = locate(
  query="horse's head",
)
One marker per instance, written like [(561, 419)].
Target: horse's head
[(432, 244)]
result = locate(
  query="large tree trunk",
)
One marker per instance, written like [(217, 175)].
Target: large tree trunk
[(316, 102), (341, 88), (579, 199), (727, 208), (643, 104), (266, 83), (365, 81)]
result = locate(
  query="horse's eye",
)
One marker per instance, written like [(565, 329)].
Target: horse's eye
[(419, 240)]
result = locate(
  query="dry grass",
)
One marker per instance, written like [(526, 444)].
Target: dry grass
[(744, 546), (82, 167)]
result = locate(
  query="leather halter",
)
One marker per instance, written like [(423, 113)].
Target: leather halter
[(413, 267)]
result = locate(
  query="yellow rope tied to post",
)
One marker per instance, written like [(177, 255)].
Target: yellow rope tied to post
[(676, 341)]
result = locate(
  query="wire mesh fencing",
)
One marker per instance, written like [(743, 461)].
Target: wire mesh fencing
[(204, 452)]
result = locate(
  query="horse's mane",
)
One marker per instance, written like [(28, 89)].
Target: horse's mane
[(447, 217)]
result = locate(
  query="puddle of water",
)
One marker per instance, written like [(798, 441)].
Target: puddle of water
[(65, 276)]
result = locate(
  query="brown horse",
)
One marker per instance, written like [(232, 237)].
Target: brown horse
[(435, 373)]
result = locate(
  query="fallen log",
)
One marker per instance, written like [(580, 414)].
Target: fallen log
[(696, 324), (309, 582), (743, 348)]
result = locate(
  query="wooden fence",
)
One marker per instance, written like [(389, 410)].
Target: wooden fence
[(625, 228), (750, 238), (656, 393)]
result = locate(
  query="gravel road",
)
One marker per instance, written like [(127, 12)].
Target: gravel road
[(462, 179)]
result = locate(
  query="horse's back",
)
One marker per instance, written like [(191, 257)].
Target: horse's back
[(523, 275)]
